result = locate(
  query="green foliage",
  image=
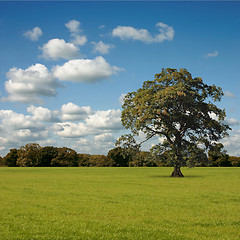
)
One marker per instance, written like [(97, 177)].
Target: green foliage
[(161, 155), (235, 161), (218, 156), (99, 161), (83, 160), (28, 155), (46, 155), (118, 157), (10, 159), (66, 157), (33, 155), (177, 107)]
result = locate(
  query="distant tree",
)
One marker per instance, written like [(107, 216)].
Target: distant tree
[(10, 159), (99, 161), (218, 156), (176, 107), (46, 155), (145, 160), (130, 149), (1, 161), (118, 158), (66, 157), (28, 155), (162, 155), (235, 161), (83, 160)]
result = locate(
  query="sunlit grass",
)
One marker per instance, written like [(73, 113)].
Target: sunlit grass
[(119, 203)]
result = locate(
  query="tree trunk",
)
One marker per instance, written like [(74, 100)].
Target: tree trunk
[(176, 172)]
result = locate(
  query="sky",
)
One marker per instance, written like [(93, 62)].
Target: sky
[(65, 66)]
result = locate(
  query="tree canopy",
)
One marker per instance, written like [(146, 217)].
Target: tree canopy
[(179, 108)]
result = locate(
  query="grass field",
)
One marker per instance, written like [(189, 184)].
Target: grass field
[(119, 203)]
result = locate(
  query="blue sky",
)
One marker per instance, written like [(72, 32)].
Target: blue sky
[(64, 66)]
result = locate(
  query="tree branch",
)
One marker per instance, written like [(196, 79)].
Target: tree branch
[(160, 132), (152, 135)]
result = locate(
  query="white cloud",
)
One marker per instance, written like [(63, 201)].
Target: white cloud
[(143, 35), (33, 34), (2, 148), (79, 40), (166, 32), (73, 26), (110, 119), (102, 47), (229, 121), (28, 135), (93, 124), (229, 94), (81, 128), (57, 48), (12, 120), (232, 121), (232, 143), (83, 142), (72, 112), (214, 54), (43, 114), (18, 129), (73, 130), (104, 141), (30, 84), (213, 116), (85, 70), (105, 138)]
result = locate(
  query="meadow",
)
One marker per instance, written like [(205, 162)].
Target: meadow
[(119, 203)]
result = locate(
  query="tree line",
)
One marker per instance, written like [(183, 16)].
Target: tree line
[(33, 155)]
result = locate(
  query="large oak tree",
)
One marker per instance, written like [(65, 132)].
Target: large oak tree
[(179, 108)]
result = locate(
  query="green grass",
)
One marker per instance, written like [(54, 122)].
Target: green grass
[(119, 203)]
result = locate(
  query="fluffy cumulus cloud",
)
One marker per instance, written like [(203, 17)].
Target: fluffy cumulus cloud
[(12, 120), (105, 137), (104, 141), (29, 85), (232, 149), (95, 123), (85, 70), (33, 34), (72, 112), (73, 130), (74, 27), (232, 121), (79, 40), (59, 49), (102, 47), (127, 32), (43, 114), (110, 119), (78, 127), (228, 121), (18, 128)]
